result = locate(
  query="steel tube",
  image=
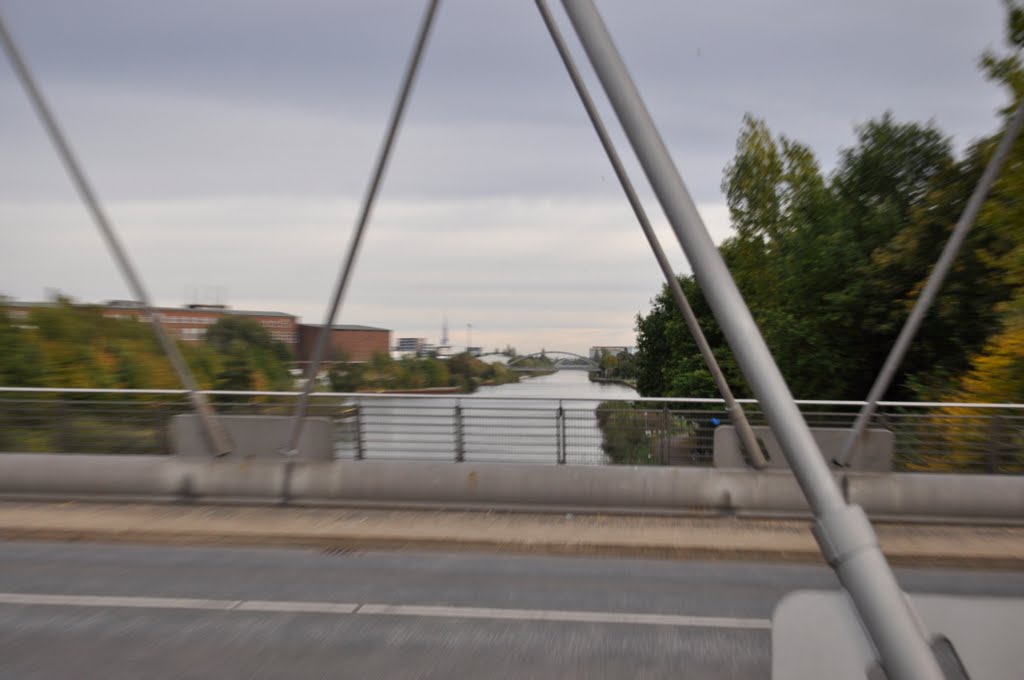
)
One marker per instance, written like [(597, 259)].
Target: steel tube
[(372, 189), (218, 439), (736, 413), (935, 281), (371, 396), (904, 652), (724, 298)]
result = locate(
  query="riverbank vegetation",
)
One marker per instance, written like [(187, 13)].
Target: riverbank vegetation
[(830, 264), (64, 345), (69, 345), (461, 372), (639, 434), (617, 368)]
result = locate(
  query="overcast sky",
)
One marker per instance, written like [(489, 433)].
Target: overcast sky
[(231, 142)]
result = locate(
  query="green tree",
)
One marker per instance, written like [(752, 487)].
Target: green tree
[(21, 361), (667, 361), (625, 368), (831, 268), (752, 183), (230, 329), (237, 372), (64, 344), (436, 371), (347, 377), (995, 369), (250, 358), (608, 362)]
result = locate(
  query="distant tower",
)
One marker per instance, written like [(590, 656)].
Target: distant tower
[(444, 333)]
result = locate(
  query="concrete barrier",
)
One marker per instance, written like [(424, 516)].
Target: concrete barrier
[(159, 477), (640, 489), (538, 485), (872, 452), (254, 437), (85, 475), (951, 495)]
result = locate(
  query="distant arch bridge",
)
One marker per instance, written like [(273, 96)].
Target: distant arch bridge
[(553, 360)]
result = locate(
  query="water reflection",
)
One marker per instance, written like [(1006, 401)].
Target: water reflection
[(563, 384)]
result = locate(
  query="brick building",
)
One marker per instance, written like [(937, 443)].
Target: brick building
[(347, 342), (189, 323)]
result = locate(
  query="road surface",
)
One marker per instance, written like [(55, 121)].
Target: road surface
[(122, 611)]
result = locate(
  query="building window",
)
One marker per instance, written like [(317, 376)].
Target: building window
[(192, 334)]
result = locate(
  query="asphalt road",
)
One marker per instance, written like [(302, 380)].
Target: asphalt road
[(117, 611)]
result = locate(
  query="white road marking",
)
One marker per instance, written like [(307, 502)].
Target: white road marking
[(567, 616), (117, 601), (279, 606), (296, 607)]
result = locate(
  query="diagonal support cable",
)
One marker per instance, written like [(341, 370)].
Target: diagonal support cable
[(843, 531), (736, 413), (394, 123), (217, 438), (935, 281)]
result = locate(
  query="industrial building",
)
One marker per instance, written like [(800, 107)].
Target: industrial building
[(347, 342)]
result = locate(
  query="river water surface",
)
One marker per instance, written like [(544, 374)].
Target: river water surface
[(534, 420), (563, 384)]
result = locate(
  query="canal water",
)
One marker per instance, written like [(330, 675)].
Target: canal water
[(563, 384), (535, 420)]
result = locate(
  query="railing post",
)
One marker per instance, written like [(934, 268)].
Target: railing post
[(164, 416), (560, 434), (883, 418), (360, 451), (995, 443), (64, 416), (666, 445), (886, 423), (460, 444)]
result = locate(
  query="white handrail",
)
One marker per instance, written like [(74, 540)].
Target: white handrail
[(401, 395)]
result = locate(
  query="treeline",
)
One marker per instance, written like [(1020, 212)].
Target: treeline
[(382, 373), (69, 345), (831, 265), (620, 366)]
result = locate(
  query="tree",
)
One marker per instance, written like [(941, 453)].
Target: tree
[(996, 369), (21, 361), (831, 268), (64, 344), (608, 362), (667, 361), (251, 358), (751, 183), (346, 377), (238, 372), (997, 372), (230, 329), (436, 372)]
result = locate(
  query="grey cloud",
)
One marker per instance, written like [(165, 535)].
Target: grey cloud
[(233, 140)]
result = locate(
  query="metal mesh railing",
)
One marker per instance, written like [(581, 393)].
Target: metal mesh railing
[(87, 426), (984, 438), (952, 438)]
